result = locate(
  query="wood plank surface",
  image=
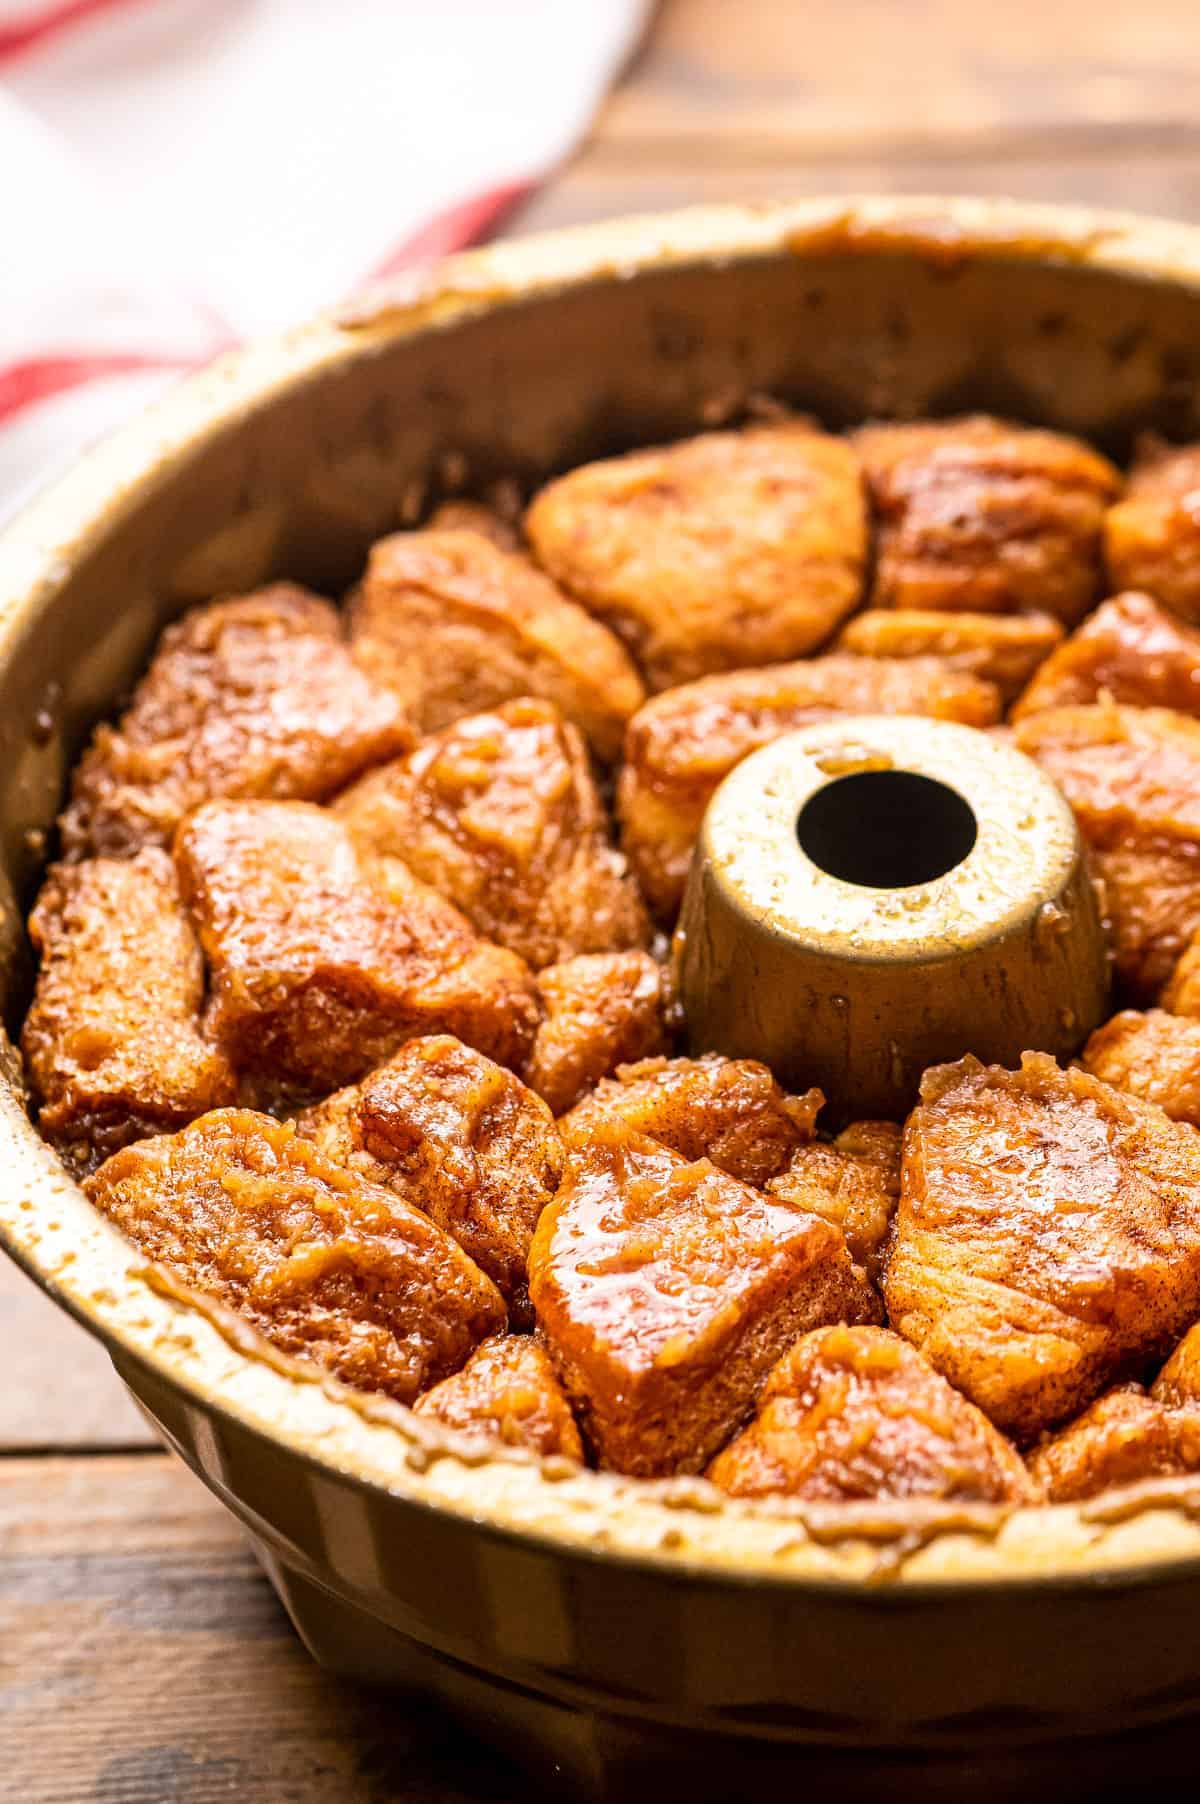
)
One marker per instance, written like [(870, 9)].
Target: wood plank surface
[(59, 1390), (143, 1658), (1142, 181), (1092, 101), (917, 77)]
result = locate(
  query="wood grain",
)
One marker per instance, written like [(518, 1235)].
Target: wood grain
[(1147, 182), (833, 75), (1072, 100), (59, 1390), (145, 1660)]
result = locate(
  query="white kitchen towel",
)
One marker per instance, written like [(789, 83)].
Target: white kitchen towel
[(177, 175)]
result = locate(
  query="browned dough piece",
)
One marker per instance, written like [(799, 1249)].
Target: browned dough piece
[(475, 516), (728, 1110), (1130, 650), (1179, 1381), (1132, 775), (1154, 1055), (601, 1010), (453, 622), (984, 515), (252, 697), (322, 963), (1152, 535), (853, 1182), (1004, 649), (501, 814), (666, 1290), (856, 1414), (322, 1263), (727, 549), (1047, 1240), (459, 1137), (1123, 1438), (507, 1392), (113, 1041)]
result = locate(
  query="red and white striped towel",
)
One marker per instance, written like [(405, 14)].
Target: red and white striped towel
[(180, 174)]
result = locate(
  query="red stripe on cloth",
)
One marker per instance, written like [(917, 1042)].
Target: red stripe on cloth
[(36, 379), (224, 338), (453, 229), (25, 33)]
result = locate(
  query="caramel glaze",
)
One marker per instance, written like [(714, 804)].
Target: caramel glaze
[(667, 1366), (322, 1261), (1047, 1239), (666, 1289), (1132, 776)]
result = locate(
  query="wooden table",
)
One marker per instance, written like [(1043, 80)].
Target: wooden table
[(143, 1659)]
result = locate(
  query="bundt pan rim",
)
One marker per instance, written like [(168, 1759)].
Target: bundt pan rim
[(160, 1337)]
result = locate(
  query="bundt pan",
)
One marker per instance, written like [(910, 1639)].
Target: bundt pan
[(618, 1635)]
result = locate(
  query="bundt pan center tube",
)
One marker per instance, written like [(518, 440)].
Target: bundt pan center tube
[(620, 1632), (874, 896)]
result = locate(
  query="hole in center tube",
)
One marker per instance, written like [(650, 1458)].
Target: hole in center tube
[(886, 829)]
